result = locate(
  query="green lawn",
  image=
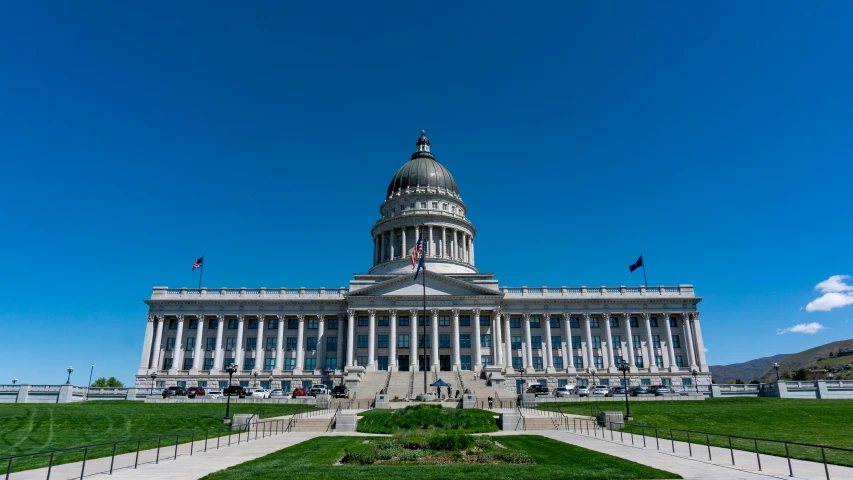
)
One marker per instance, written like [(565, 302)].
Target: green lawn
[(821, 422), (427, 417), (315, 459), (30, 428)]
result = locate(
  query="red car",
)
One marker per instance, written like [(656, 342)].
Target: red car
[(192, 392), (299, 392)]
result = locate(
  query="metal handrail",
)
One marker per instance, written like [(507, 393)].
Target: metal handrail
[(332, 421)]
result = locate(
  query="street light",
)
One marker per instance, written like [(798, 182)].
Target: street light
[(231, 369), (776, 366), (695, 372), (624, 367), (153, 376), (70, 369), (592, 371), (271, 379), (255, 373), (90, 382)]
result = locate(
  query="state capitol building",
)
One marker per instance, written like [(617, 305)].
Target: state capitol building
[(506, 336)]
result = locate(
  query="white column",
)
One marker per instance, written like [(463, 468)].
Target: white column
[(342, 343), (590, 363), (431, 244), (371, 342), (454, 340), (528, 352), (700, 344), (472, 250), (300, 345), (158, 341), (497, 346), (455, 246), (259, 347), (477, 361), (375, 250), (650, 364), (669, 348), (240, 353), (508, 344), (217, 353), (198, 354), (382, 247), (279, 345), (549, 349), (567, 335), (321, 344), (434, 340), (392, 342), (443, 242), (178, 353), (611, 367), (630, 342), (146, 346), (391, 244), (687, 340), (413, 340), (350, 335), (403, 247)]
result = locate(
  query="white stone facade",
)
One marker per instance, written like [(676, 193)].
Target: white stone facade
[(296, 335)]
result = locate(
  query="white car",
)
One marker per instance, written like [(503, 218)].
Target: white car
[(600, 390), (318, 390), (583, 391), (260, 393), (214, 394), (562, 392)]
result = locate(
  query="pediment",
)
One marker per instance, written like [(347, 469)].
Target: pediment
[(436, 285)]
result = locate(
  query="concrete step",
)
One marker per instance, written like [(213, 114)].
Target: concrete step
[(310, 425)]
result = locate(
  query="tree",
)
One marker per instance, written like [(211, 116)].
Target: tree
[(801, 374), (754, 382), (738, 382), (111, 382)]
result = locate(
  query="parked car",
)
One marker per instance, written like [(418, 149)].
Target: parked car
[(299, 392), (599, 390), (538, 390), (277, 393), (620, 390), (640, 390), (583, 391), (193, 392), (340, 391), (174, 392), (260, 393), (562, 392), (318, 390), (235, 391), (660, 390), (214, 394)]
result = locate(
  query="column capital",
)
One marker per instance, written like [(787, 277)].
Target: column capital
[(567, 316), (350, 313), (546, 316), (434, 312), (455, 312), (665, 316), (526, 317), (280, 318), (585, 316), (300, 317), (414, 315), (605, 316), (220, 317), (151, 317), (393, 313), (694, 315), (240, 317), (626, 315), (180, 317), (261, 317), (506, 315), (645, 316), (476, 313), (372, 313), (321, 317)]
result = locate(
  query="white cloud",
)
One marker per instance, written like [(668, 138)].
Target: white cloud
[(836, 294), (809, 328)]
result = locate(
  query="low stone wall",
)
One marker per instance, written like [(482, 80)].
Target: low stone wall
[(621, 398), (818, 389)]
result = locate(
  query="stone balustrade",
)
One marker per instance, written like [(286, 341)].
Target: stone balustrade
[(243, 292), (604, 291)]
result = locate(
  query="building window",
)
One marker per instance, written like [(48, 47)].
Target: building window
[(173, 324), (574, 322), (332, 323), (617, 360), (638, 361), (555, 322), (537, 363), (362, 341), (248, 363), (382, 362), (251, 343), (402, 208), (676, 342), (515, 322), (578, 363), (230, 361), (212, 323), (331, 344), (645, 381), (361, 360), (596, 341), (558, 363), (310, 363), (534, 322), (190, 344), (593, 322), (412, 205), (515, 343), (444, 321), (536, 342), (269, 363), (383, 321), (486, 360), (485, 321), (423, 321), (658, 361), (444, 206), (421, 341), (208, 364), (656, 341), (444, 341), (383, 341), (614, 322), (311, 343), (576, 342), (653, 321), (293, 324), (423, 204), (598, 361), (253, 324), (272, 323), (403, 321), (465, 360), (362, 321), (272, 343), (673, 322), (435, 205), (193, 324), (331, 363), (635, 341), (233, 323), (291, 343), (616, 341), (633, 322), (678, 361), (230, 344), (402, 341), (464, 321), (313, 323), (686, 382), (485, 340), (210, 344), (285, 385), (188, 363), (465, 341), (666, 381), (582, 382), (453, 208), (556, 342), (516, 363)]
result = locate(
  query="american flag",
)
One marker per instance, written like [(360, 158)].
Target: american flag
[(416, 251), (198, 263)]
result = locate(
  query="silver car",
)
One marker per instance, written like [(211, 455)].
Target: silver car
[(583, 391)]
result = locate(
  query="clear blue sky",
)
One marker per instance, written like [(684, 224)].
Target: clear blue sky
[(716, 141)]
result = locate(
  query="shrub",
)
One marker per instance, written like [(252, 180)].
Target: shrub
[(411, 455), (450, 442), (508, 456), (362, 454)]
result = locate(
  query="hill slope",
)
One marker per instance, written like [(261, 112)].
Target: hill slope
[(809, 358), (745, 371)]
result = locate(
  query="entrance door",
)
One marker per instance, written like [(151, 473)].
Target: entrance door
[(403, 362), (424, 366), (444, 363)]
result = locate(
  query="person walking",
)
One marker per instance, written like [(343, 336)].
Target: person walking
[(491, 403)]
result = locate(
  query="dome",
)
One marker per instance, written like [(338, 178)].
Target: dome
[(423, 171)]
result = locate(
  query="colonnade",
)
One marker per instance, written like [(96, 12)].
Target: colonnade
[(439, 242)]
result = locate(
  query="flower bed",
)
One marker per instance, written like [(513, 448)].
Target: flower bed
[(435, 448)]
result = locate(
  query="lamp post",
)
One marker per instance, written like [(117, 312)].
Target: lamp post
[(776, 366), (91, 370), (592, 371), (153, 376), (271, 379), (695, 372), (231, 369), (624, 367), (255, 373), (69, 369)]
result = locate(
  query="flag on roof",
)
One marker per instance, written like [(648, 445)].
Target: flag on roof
[(637, 264), (198, 263)]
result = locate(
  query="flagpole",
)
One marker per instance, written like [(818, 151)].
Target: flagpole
[(644, 271), (201, 271), (423, 280)]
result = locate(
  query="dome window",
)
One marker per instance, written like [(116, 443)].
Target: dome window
[(444, 206), (423, 204), (435, 205), (412, 206), (402, 207)]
